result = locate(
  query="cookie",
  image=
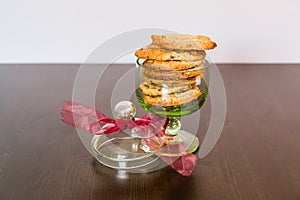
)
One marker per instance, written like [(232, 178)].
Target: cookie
[(183, 42), (153, 90), (172, 74), (157, 53), (172, 65), (175, 99), (175, 82)]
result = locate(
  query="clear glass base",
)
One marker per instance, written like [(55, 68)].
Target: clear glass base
[(123, 152)]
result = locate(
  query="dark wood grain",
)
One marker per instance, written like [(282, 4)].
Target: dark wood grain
[(256, 157)]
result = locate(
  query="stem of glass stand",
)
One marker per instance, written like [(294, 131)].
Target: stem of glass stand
[(173, 126)]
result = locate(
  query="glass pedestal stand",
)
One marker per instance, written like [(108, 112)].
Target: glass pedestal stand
[(127, 151)]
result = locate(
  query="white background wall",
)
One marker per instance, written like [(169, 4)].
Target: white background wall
[(66, 31)]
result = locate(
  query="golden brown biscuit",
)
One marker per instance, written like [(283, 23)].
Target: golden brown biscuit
[(172, 74), (172, 65), (183, 42), (153, 90), (157, 53), (171, 83), (175, 99)]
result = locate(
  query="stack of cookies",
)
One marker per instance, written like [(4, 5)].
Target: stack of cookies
[(173, 68)]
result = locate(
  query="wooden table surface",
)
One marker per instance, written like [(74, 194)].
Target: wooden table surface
[(256, 157)]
